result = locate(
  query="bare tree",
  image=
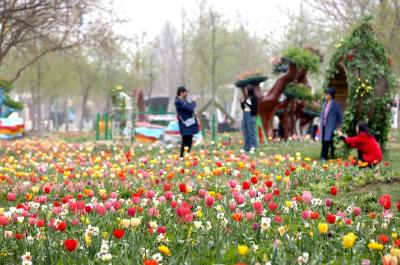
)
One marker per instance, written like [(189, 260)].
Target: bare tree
[(49, 24)]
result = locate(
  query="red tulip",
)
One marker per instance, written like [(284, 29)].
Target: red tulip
[(254, 180), (182, 187), (277, 192), (398, 205), (268, 184), (272, 206), (246, 185), (150, 262), (62, 226), (383, 239), (167, 186), (385, 201), (40, 223), (161, 230), (88, 209), (334, 190), (278, 219), (118, 233), (19, 236), (331, 218), (314, 215), (71, 244)]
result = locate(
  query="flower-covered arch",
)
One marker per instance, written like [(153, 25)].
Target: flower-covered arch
[(361, 73)]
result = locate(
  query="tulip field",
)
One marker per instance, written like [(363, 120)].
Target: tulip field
[(93, 203)]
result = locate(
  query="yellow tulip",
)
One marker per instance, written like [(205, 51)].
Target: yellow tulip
[(243, 250), (164, 250), (349, 240), (323, 228), (375, 246)]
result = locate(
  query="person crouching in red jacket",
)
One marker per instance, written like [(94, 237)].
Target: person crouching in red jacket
[(368, 148)]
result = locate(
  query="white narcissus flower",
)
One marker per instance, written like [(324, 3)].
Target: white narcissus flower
[(198, 224), (158, 257), (27, 259)]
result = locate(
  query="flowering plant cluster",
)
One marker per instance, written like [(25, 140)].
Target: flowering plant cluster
[(364, 88), (248, 74), (98, 204)]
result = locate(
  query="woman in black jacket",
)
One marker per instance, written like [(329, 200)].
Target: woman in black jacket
[(188, 125), (249, 122)]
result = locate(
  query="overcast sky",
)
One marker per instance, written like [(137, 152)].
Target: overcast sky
[(150, 15)]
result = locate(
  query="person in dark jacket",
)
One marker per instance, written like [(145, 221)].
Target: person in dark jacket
[(249, 122), (188, 125), (331, 119), (368, 148)]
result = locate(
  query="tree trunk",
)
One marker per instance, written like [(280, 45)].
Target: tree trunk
[(38, 99), (56, 121), (84, 101), (66, 115)]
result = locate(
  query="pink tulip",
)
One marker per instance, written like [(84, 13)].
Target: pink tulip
[(357, 211), (307, 196), (182, 211), (136, 199), (232, 206), (32, 221), (3, 220), (150, 194), (11, 196), (232, 183), (188, 218), (101, 210), (328, 202), (80, 205), (305, 214), (240, 199), (250, 216), (202, 193), (42, 199), (108, 205), (168, 195), (153, 211), (75, 222), (73, 207), (162, 199), (56, 210), (268, 197), (131, 212), (252, 193), (113, 195), (258, 207), (209, 201)]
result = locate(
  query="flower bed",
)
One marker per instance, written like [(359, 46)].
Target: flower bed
[(96, 204)]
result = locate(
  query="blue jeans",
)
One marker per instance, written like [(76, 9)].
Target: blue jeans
[(249, 131)]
